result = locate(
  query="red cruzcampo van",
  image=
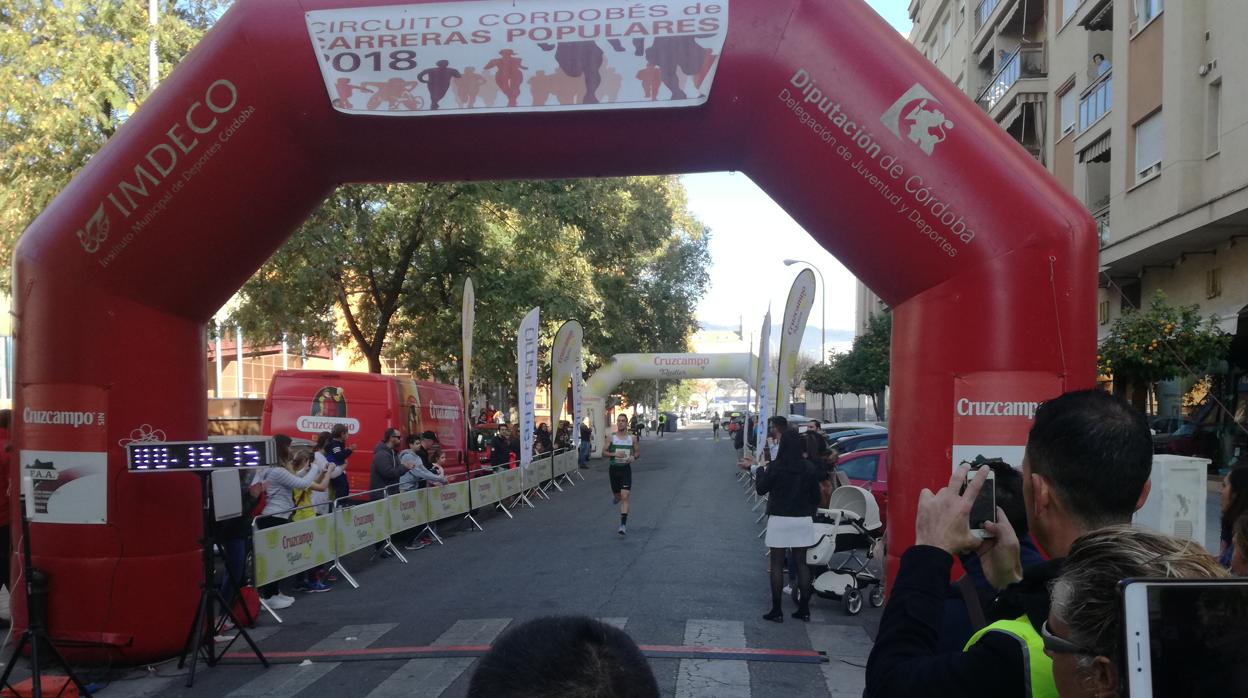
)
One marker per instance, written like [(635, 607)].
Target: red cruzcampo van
[(302, 404)]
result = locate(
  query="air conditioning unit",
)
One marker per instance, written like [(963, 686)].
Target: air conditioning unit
[(1176, 504)]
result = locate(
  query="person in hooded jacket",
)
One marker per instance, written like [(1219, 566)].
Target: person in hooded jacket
[(791, 484)]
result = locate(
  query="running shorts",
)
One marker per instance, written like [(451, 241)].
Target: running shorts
[(621, 477)]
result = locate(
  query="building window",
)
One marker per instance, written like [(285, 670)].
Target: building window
[(1102, 312), (1213, 119), (1069, 8), (1148, 147), (1068, 103), (1146, 10), (1213, 282)]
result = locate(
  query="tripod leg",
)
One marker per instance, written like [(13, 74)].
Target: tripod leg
[(190, 636), (229, 613), (17, 652), (197, 642), (56, 654), (36, 668)]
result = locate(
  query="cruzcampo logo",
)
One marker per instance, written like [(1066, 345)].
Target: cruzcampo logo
[(329, 402)]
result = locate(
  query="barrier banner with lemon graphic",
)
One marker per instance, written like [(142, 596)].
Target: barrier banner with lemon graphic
[(292, 548), (362, 525), (408, 509)]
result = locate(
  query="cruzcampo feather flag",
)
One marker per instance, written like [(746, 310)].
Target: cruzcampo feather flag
[(796, 312), (526, 380), (565, 357), (468, 321), (764, 381)]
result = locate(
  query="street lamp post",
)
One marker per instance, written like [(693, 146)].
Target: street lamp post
[(823, 326)]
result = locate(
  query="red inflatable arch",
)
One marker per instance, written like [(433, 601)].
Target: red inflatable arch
[(989, 266)]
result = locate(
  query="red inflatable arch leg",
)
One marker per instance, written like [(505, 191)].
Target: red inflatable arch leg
[(989, 266)]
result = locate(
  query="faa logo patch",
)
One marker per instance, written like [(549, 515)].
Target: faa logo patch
[(919, 118)]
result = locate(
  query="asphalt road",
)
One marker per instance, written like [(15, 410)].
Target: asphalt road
[(691, 571)]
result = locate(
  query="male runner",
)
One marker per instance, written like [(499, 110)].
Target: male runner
[(715, 425), (621, 447)]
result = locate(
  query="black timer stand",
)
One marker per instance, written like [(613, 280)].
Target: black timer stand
[(36, 633), (204, 628)]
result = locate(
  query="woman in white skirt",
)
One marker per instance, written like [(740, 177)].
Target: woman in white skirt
[(792, 486)]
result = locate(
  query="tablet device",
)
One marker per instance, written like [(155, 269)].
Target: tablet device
[(1185, 638)]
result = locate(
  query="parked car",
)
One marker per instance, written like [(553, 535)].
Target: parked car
[(849, 444), (1163, 429), (834, 427), (837, 436), (868, 469)]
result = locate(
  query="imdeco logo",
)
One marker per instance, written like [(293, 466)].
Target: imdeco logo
[(95, 232)]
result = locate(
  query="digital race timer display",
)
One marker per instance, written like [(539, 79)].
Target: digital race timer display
[(164, 456)]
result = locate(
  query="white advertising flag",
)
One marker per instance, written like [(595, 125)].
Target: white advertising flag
[(491, 56), (565, 357), (578, 388), (527, 346), (468, 319), (764, 357), (796, 312)]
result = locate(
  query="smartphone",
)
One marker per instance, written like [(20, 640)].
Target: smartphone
[(802, 430), (1185, 637), (985, 506)]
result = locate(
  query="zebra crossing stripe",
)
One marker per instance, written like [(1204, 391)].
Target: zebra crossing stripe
[(706, 678), (428, 678), (286, 681), (848, 647)]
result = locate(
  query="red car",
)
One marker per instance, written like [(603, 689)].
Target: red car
[(868, 469)]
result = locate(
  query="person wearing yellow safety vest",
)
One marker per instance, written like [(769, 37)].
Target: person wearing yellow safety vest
[(1086, 466)]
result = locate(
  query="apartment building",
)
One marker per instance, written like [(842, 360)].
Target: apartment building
[(1140, 109)]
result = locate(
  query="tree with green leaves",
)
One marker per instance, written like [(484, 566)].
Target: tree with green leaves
[(623, 256), (865, 369), (71, 73), (1160, 343), (827, 378)]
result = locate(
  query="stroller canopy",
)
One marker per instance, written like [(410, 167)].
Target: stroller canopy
[(858, 502)]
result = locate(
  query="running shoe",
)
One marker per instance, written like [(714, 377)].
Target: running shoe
[(278, 602), (318, 587), (622, 531), (301, 586), (417, 545), (280, 595)]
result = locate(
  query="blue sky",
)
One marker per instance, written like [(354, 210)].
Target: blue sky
[(745, 275)]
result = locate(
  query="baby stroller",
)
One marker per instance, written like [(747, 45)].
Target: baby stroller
[(847, 531)]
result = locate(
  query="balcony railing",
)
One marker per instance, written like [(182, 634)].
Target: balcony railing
[(1025, 62), (984, 11), (1101, 215), (1096, 101)]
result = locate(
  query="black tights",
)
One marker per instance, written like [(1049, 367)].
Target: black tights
[(777, 577)]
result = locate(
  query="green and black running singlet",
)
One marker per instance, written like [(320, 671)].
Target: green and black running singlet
[(621, 449)]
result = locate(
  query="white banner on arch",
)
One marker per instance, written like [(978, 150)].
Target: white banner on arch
[(492, 56)]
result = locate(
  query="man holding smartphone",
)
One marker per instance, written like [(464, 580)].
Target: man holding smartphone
[(1087, 464)]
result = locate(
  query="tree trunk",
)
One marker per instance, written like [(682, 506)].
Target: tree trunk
[(374, 361), (835, 416)]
